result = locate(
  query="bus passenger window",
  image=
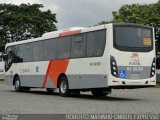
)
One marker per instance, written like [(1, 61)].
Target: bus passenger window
[(28, 54), (64, 48), (50, 49), (78, 46), (38, 51), (96, 43), (19, 53)]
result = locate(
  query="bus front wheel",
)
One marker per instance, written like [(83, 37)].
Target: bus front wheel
[(64, 87)]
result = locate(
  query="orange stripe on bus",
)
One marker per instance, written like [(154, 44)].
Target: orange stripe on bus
[(55, 68), (69, 33)]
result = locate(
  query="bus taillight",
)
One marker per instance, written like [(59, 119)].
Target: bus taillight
[(153, 68), (114, 69)]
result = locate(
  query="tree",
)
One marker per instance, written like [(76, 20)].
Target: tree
[(24, 22)]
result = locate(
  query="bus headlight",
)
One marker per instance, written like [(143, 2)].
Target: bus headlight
[(114, 69), (153, 68)]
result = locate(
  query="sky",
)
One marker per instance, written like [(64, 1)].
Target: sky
[(81, 13)]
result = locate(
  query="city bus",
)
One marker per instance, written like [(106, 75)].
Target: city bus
[(96, 59)]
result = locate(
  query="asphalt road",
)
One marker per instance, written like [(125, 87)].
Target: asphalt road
[(39, 102)]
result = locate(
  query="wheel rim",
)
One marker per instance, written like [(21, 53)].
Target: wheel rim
[(63, 87), (17, 84)]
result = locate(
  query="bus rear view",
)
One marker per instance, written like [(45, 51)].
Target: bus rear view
[(132, 58)]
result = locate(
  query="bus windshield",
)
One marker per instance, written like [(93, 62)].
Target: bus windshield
[(133, 38)]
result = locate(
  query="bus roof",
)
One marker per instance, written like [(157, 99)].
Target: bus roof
[(70, 31), (59, 33)]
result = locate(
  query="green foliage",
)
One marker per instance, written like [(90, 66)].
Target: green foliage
[(24, 22)]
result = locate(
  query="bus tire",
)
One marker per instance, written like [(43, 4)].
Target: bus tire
[(99, 92), (64, 87), (17, 84)]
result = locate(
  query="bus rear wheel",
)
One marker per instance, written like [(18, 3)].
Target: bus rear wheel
[(17, 84), (64, 87), (99, 92)]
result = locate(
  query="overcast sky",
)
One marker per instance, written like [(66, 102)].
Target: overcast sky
[(83, 13)]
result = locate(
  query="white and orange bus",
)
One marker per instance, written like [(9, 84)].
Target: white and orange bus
[(96, 59)]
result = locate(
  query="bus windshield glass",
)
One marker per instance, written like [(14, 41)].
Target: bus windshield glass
[(133, 38)]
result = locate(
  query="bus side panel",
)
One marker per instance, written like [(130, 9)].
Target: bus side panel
[(87, 81), (81, 72), (31, 80), (36, 81), (31, 74)]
